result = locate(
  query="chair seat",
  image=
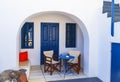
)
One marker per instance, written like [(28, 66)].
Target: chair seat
[(53, 62), (72, 61)]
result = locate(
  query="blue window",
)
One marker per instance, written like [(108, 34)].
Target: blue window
[(70, 35), (27, 37)]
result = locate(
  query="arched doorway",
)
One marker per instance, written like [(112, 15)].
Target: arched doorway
[(62, 18)]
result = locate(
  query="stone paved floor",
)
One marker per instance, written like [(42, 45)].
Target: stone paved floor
[(38, 73)]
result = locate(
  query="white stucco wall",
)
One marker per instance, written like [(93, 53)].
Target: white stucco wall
[(14, 12)]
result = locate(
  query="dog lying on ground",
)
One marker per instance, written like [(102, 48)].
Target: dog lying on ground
[(13, 76)]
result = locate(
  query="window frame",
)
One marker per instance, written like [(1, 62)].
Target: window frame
[(70, 39), (27, 31)]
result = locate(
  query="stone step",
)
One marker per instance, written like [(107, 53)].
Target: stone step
[(109, 14), (109, 4), (117, 19), (108, 9)]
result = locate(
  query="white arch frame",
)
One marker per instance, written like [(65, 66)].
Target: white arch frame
[(80, 24)]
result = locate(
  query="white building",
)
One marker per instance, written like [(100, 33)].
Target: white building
[(93, 32)]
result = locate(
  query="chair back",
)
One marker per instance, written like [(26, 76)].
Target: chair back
[(48, 53), (74, 53)]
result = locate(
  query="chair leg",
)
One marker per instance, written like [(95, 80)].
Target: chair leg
[(60, 64), (52, 67), (44, 68), (51, 70), (57, 67), (76, 68), (60, 67)]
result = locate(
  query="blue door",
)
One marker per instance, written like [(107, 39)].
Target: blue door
[(115, 62), (49, 38)]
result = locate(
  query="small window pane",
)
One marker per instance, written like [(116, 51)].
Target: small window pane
[(70, 35), (27, 35)]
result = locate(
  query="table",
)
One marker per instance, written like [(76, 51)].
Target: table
[(65, 58)]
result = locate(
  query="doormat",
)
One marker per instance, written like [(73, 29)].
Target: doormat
[(92, 79)]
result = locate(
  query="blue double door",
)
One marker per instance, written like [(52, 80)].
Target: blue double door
[(49, 39), (115, 62)]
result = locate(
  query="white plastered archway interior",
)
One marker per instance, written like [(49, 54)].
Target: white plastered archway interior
[(79, 23)]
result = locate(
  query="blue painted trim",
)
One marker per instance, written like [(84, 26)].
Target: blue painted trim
[(112, 19), (25, 30)]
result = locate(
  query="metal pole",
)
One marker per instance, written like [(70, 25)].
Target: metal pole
[(112, 18)]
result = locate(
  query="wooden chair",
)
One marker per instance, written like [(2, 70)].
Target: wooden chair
[(75, 63), (50, 64)]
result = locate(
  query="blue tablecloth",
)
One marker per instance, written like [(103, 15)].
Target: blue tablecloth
[(66, 57)]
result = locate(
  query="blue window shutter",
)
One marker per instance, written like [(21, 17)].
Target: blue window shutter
[(70, 35)]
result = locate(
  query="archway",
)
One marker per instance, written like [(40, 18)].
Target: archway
[(81, 26)]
